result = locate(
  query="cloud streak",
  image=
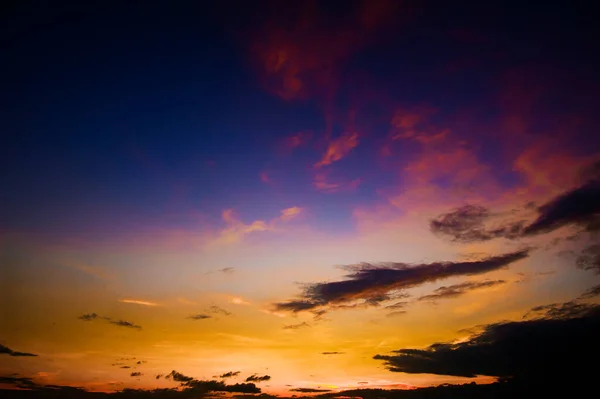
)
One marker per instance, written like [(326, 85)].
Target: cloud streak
[(117, 322), (4, 350), (453, 291), (373, 284), (138, 302)]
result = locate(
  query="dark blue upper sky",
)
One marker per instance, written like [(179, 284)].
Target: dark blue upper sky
[(134, 112)]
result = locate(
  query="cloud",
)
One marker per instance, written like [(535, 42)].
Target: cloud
[(539, 350), (258, 378), (322, 183), (138, 302), (123, 323), (193, 386), (467, 224), (309, 390), (88, 317), (200, 316), (591, 293), (338, 148), (239, 301), (294, 141), (218, 310), (589, 259), (227, 270), (296, 326), (299, 48), (20, 382), (230, 374), (456, 290), (7, 351), (332, 353), (120, 323), (290, 213), (374, 284), (237, 229), (125, 367), (579, 206), (136, 374)]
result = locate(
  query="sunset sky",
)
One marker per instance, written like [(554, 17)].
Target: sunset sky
[(288, 189)]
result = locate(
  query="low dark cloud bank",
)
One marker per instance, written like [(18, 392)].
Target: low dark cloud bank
[(557, 344)]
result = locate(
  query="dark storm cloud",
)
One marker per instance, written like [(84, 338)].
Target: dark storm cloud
[(258, 378), (579, 206), (376, 283), (309, 390), (589, 259), (118, 322), (230, 374), (332, 353), (200, 317), (453, 291), (296, 326), (7, 351), (554, 345)]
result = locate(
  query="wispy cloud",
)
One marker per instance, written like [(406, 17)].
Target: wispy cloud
[(138, 302), (238, 300), (236, 229), (296, 326), (117, 322), (453, 291), (338, 148)]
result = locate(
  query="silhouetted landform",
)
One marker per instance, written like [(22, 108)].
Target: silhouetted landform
[(513, 389)]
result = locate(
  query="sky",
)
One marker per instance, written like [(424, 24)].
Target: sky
[(302, 190)]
